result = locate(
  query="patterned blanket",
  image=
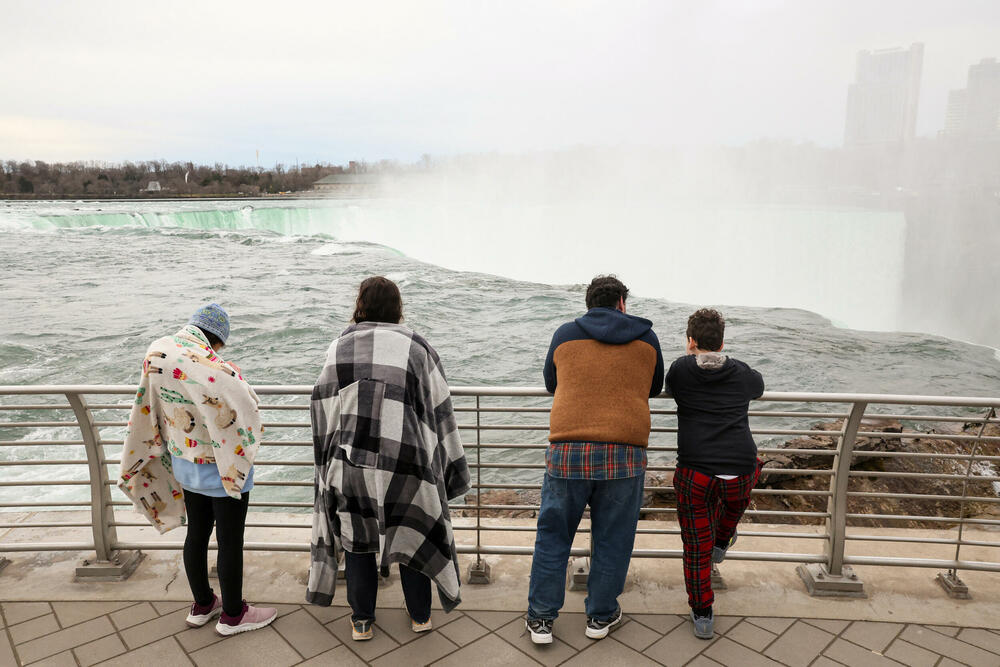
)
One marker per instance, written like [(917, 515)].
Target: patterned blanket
[(388, 459), (195, 406)]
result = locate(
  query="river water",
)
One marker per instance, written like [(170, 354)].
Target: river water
[(87, 286)]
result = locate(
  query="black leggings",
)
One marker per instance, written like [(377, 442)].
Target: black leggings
[(361, 572), (229, 516)]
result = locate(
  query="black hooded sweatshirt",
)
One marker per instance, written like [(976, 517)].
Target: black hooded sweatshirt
[(713, 431)]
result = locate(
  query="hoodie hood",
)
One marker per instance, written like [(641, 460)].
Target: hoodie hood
[(609, 325), (712, 366)]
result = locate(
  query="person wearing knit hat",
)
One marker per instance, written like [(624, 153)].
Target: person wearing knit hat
[(212, 319), (188, 459)]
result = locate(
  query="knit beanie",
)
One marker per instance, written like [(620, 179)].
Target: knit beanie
[(212, 318)]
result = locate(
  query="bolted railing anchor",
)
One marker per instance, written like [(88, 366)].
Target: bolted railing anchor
[(953, 586), (479, 572)]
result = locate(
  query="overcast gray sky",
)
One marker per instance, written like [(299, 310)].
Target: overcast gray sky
[(333, 81)]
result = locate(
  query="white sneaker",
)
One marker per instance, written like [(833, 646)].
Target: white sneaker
[(540, 629), (199, 616), (251, 618)]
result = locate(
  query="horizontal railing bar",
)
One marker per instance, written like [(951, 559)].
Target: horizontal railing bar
[(922, 562), (53, 524), (38, 443), (20, 547), (917, 435), (43, 463), (68, 503), (920, 540), (923, 455), (37, 424), (921, 496), (922, 475), (37, 406), (47, 482), (930, 519)]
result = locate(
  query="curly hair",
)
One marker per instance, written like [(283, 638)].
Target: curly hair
[(707, 327), (605, 291), (378, 301)]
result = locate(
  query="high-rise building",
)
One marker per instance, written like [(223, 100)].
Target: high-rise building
[(882, 101), (974, 111)]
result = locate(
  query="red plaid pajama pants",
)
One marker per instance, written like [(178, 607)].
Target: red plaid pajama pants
[(708, 509)]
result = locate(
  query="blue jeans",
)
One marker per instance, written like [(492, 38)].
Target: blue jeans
[(614, 513)]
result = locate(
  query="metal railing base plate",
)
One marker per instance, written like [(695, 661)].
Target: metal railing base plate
[(953, 586), (579, 572), (479, 573), (119, 568), (820, 583), (718, 583)]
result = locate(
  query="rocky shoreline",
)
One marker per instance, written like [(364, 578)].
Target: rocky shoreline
[(888, 441)]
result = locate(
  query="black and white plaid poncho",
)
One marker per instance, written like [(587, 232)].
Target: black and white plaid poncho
[(388, 459)]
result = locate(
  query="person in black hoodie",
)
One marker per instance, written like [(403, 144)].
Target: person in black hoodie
[(717, 464)]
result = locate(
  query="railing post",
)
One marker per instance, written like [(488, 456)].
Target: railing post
[(955, 587), (109, 564), (833, 578), (479, 572)]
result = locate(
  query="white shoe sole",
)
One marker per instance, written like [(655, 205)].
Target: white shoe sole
[(538, 637), (226, 630), (202, 620), (603, 632)]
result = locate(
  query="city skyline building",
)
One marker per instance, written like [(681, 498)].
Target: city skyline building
[(882, 101), (974, 111)]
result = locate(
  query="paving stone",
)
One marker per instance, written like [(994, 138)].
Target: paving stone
[(166, 652), (771, 623), (830, 625), (847, 653), (96, 651), (948, 646), (36, 627), (704, 661), (949, 630), (724, 624), (728, 652), (635, 635), (547, 654), (429, 647), (64, 659), (193, 639), (71, 613), (872, 635), (948, 662), (800, 644), (396, 623), (441, 618), (572, 629), (155, 629), (326, 614), (662, 623), (464, 631), (6, 650), (380, 643), (608, 653), (17, 612), (71, 637), (260, 647), (167, 606), (824, 661), (678, 646), (751, 636), (493, 619), (305, 633), (908, 654), (981, 638), (490, 651), (140, 613), (340, 656)]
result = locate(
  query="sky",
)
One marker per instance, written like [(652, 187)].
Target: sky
[(336, 81)]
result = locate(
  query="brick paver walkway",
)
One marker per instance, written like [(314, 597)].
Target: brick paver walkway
[(154, 633)]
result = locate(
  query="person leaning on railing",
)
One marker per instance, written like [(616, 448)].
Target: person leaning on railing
[(188, 458), (388, 458), (603, 368), (717, 464)]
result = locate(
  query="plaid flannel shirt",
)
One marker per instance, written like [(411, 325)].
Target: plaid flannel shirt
[(595, 460)]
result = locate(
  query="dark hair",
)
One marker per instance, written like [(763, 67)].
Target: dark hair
[(707, 327), (213, 340), (605, 291), (378, 301)]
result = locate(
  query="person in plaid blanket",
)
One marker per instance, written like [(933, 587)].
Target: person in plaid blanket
[(388, 459), (717, 464), (603, 368)]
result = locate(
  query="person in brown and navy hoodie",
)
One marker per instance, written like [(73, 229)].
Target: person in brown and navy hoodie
[(717, 464), (602, 367)]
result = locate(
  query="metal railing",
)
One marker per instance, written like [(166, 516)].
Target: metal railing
[(504, 430)]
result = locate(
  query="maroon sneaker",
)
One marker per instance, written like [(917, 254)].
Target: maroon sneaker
[(202, 614), (251, 618)]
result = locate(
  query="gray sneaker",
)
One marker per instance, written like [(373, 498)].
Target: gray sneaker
[(719, 555), (704, 626)]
